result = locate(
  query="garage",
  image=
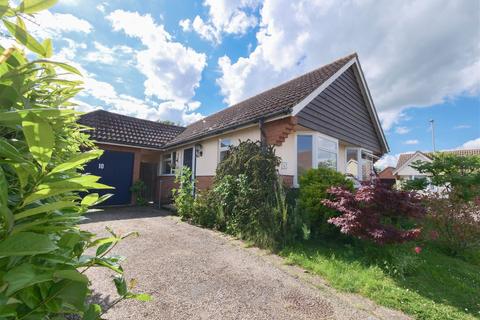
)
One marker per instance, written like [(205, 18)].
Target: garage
[(132, 151), (116, 170)]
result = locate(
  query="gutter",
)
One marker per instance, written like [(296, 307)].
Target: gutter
[(227, 129)]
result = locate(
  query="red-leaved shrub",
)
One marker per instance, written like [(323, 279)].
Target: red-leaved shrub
[(376, 212)]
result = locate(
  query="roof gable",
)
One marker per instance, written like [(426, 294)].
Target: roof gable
[(406, 158), (276, 101), (341, 111), (119, 129)]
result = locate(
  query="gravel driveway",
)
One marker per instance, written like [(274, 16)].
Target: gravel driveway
[(194, 273)]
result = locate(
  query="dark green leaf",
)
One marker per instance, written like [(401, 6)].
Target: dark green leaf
[(44, 208), (93, 312), (121, 285), (26, 243), (73, 275), (24, 276)]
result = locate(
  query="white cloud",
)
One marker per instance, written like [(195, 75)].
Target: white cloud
[(47, 24), (414, 53), (230, 17), (102, 7), (402, 130), (109, 55), (411, 142), (114, 101), (462, 126), (471, 144), (173, 71), (387, 160)]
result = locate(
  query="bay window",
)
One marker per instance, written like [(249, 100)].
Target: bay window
[(314, 150), (168, 163), (359, 163)]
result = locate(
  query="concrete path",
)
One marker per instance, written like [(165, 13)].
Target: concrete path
[(194, 273)]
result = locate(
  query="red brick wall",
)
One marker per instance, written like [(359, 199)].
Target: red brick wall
[(277, 131), (204, 182), (165, 185)]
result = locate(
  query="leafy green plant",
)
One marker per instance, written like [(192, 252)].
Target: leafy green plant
[(42, 153), (314, 184), (183, 196), (459, 175), (453, 210), (138, 189)]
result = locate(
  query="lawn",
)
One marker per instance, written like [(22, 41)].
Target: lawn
[(430, 285)]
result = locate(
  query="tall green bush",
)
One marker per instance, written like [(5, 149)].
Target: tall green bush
[(183, 196), (314, 184), (42, 152)]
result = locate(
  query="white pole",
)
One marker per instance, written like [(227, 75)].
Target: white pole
[(432, 123)]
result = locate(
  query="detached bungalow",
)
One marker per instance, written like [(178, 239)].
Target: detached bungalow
[(326, 116)]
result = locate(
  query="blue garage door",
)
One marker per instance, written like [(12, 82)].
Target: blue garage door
[(115, 169)]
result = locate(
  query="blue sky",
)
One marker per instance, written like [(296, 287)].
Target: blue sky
[(181, 60)]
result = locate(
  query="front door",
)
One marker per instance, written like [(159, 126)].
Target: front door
[(188, 158)]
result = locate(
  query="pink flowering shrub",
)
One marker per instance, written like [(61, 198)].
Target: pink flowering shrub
[(376, 212)]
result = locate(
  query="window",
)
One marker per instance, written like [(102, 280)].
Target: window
[(168, 163), (352, 162), (367, 166), (224, 147), (314, 150), (304, 153), (359, 164), (326, 152)]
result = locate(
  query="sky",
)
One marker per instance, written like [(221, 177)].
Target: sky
[(183, 60)]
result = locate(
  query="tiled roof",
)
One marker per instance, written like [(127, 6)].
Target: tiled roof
[(119, 129), (275, 101), (387, 173), (404, 157)]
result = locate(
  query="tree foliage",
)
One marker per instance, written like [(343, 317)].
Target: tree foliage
[(460, 175), (42, 149), (377, 213)]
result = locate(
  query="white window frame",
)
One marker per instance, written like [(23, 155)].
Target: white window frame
[(360, 160), (223, 149), (315, 136), (316, 146), (173, 166)]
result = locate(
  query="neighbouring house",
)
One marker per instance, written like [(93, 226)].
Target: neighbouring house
[(387, 176), (404, 171), (324, 117)]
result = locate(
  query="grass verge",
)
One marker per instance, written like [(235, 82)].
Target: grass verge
[(429, 285)]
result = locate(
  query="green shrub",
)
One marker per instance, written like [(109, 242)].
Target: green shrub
[(246, 182), (313, 190), (42, 153), (205, 211), (183, 196), (138, 189)]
